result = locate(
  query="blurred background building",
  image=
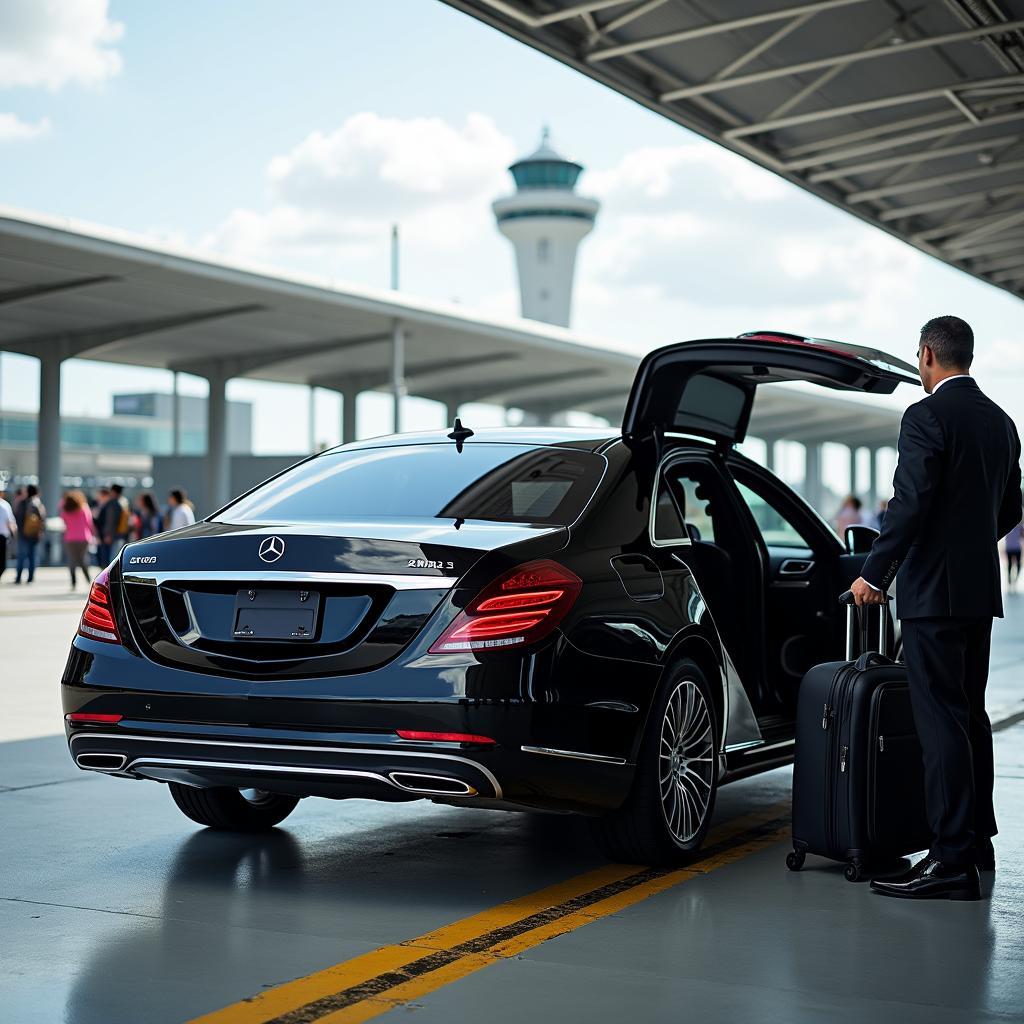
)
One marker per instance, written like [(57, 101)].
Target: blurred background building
[(121, 447)]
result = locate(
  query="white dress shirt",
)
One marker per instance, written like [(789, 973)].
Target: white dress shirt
[(955, 376), (8, 524)]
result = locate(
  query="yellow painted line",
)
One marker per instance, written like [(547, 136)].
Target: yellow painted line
[(372, 984)]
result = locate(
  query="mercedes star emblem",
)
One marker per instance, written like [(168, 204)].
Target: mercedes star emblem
[(272, 549)]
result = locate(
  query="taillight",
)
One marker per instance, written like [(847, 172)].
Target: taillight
[(443, 737), (521, 607), (97, 621), (87, 718)]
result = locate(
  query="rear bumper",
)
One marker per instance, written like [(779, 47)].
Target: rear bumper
[(303, 769), (345, 766), (556, 747)]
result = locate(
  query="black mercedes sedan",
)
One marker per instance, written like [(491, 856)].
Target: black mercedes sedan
[(529, 619)]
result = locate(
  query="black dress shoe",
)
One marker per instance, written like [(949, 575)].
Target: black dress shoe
[(930, 879), (986, 855)]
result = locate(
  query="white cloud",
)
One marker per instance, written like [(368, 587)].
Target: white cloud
[(13, 129), (694, 235), (50, 43), (333, 197)]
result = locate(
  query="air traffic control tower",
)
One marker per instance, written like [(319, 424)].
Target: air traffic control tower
[(545, 220)]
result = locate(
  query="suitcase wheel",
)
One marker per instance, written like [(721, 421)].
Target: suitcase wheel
[(795, 860), (854, 871)]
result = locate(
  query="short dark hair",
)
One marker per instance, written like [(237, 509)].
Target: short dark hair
[(178, 495), (952, 341)]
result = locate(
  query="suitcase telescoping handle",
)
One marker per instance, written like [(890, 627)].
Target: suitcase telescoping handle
[(883, 624)]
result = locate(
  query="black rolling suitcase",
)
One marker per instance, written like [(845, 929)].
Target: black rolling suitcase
[(858, 786)]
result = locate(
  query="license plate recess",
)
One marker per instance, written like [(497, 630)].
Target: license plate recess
[(271, 614)]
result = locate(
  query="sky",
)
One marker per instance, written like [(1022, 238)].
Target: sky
[(295, 134)]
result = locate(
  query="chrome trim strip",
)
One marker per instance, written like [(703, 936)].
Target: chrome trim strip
[(174, 762), (400, 581), (282, 746), (735, 748), (574, 754), (771, 746)]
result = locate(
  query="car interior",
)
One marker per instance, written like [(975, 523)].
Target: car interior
[(800, 557), (694, 504), (769, 571)]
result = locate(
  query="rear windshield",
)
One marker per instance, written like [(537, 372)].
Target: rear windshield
[(501, 482)]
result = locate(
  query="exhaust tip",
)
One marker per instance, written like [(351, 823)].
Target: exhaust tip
[(102, 762), (431, 785)]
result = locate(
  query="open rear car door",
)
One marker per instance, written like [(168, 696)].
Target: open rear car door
[(706, 388)]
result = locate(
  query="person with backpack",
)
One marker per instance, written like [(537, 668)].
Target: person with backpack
[(115, 519), (30, 516)]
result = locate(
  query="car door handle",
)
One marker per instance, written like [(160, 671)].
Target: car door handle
[(796, 567)]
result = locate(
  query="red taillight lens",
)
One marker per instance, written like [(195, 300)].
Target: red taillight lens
[(98, 617), (521, 607), (84, 718), (443, 737)]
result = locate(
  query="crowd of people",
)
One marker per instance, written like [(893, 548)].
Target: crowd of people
[(852, 513), (95, 527)]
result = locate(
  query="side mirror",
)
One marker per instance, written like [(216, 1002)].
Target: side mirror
[(859, 539)]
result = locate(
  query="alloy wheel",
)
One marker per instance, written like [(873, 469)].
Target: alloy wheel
[(686, 761)]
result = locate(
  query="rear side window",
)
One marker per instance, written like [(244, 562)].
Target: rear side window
[(500, 482)]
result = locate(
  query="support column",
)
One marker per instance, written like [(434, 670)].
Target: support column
[(48, 464), (873, 495), (175, 414), (451, 410), (398, 389), (348, 415), (812, 474), (769, 454), (312, 419), (218, 460), (853, 469)]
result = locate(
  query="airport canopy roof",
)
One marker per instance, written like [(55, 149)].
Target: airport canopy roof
[(910, 116), (99, 294)]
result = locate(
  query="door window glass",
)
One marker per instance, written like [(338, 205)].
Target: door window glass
[(696, 500), (668, 525), (685, 507), (776, 530)]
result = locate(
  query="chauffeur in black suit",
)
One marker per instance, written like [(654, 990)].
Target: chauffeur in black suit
[(957, 491)]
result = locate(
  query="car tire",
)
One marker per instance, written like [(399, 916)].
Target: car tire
[(233, 809), (668, 811)]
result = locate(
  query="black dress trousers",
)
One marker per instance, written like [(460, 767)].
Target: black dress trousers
[(947, 665)]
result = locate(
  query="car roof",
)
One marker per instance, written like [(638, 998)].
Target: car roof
[(583, 438)]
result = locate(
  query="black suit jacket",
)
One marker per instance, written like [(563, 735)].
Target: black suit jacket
[(956, 492)]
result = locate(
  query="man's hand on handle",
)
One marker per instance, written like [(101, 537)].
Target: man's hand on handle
[(864, 593)]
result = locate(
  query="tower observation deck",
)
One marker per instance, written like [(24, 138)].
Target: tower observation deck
[(545, 219)]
